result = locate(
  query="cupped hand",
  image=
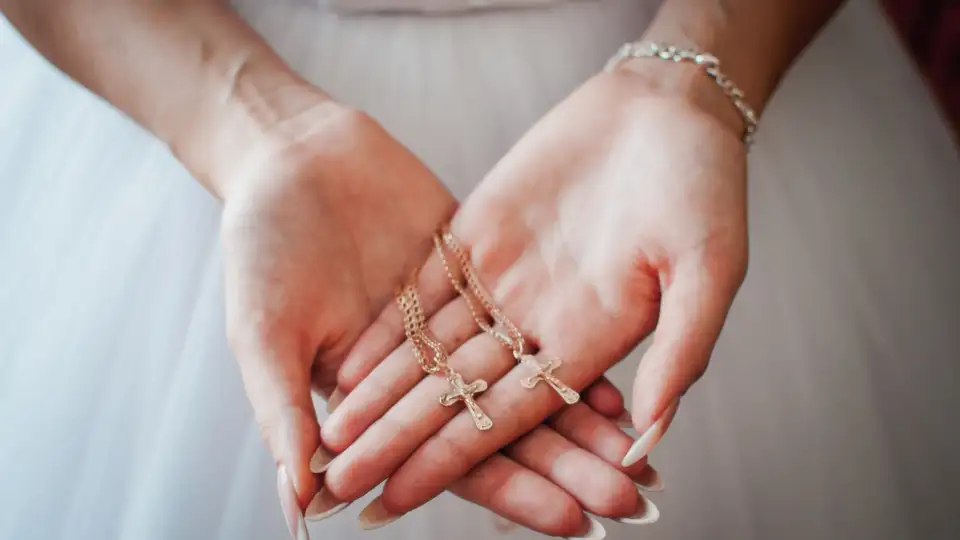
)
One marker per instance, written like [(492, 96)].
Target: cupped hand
[(621, 212), (317, 234)]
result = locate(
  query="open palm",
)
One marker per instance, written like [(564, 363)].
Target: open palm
[(596, 228), (315, 245)]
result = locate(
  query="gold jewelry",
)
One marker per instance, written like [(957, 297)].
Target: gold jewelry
[(513, 338), (710, 64), (432, 357)]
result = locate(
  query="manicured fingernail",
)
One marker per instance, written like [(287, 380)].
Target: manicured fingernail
[(334, 400), (649, 479), (290, 506), (320, 461), (324, 505), (642, 446), (375, 515), (594, 531), (647, 514), (625, 420)]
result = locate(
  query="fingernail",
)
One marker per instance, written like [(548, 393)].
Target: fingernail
[(649, 479), (642, 446), (320, 461), (594, 532), (625, 420), (324, 505), (334, 400), (647, 514), (291, 507), (375, 515)]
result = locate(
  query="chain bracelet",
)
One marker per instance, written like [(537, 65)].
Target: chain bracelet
[(710, 64)]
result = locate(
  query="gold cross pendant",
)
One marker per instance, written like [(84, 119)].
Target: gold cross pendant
[(465, 392), (545, 373)]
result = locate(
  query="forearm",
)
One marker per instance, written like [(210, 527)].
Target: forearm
[(755, 40), (192, 72)]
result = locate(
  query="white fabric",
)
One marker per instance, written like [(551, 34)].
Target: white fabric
[(829, 412), (429, 6)]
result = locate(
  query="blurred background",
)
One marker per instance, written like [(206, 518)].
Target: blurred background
[(930, 29), (831, 410)]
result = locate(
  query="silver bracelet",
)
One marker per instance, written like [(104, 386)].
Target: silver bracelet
[(646, 49)]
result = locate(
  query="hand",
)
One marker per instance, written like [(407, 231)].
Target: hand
[(316, 238), (622, 211)]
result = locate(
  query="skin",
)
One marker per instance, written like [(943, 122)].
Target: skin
[(622, 212), (288, 161), (300, 189)]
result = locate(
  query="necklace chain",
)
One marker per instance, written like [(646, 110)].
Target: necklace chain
[(429, 352), (513, 338)]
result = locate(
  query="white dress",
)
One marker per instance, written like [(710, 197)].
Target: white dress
[(830, 411)]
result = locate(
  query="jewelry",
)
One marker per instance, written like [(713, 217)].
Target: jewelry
[(432, 357), (646, 49), (513, 338), (545, 373)]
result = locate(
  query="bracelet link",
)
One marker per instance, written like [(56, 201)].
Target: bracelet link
[(711, 66)]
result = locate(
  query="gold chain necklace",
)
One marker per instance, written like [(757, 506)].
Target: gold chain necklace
[(432, 357), (513, 338)]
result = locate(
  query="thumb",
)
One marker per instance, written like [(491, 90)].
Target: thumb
[(277, 379), (693, 310)]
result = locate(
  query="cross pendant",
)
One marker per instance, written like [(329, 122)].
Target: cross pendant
[(545, 373), (465, 392)]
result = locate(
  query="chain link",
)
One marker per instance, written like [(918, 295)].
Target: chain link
[(429, 352), (710, 64), (513, 339)]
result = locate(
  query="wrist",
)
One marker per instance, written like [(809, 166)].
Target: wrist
[(755, 40), (750, 70), (683, 84), (248, 122)]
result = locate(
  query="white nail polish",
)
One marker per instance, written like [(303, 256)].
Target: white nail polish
[(324, 505), (291, 507), (334, 400), (647, 514), (375, 515), (642, 446), (649, 479), (596, 531), (320, 461)]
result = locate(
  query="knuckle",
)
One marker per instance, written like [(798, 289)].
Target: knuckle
[(562, 519), (336, 480), (699, 369), (619, 498), (725, 259), (448, 453)]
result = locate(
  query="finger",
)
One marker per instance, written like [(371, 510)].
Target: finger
[(384, 446), (693, 310), (525, 497), (605, 398), (603, 438), (386, 333), (599, 487), (393, 378), (276, 376), (512, 491), (458, 445)]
